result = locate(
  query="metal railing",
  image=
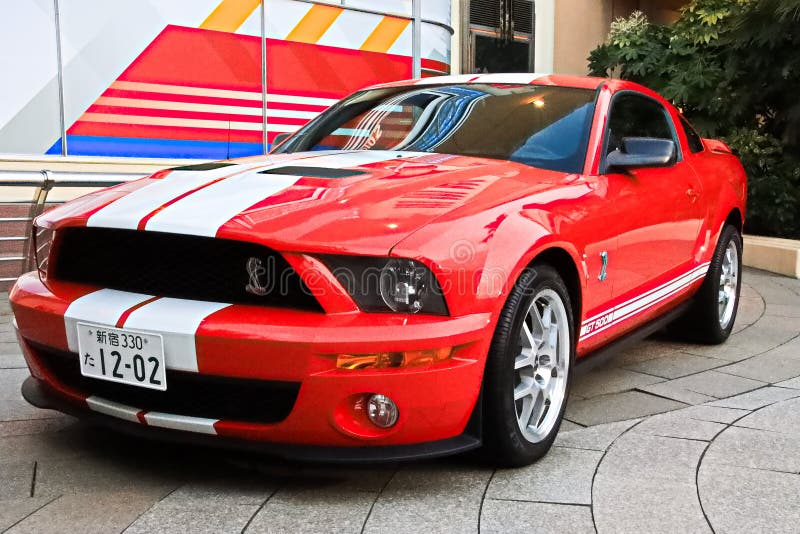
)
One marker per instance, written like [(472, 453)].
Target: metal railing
[(43, 185)]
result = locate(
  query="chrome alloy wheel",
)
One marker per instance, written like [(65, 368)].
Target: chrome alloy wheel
[(541, 367), (728, 284)]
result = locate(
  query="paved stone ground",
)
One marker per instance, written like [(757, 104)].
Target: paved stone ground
[(666, 437)]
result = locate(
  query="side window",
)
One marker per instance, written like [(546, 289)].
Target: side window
[(695, 143), (636, 116)]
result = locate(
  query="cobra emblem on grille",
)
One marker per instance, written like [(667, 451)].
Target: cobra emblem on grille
[(256, 271)]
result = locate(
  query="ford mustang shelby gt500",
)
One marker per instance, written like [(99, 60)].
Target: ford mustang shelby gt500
[(413, 273)]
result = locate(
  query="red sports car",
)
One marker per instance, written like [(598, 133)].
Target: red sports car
[(415, 272)]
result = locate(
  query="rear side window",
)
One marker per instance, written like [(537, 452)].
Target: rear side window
[(695, 142), (636, 116)]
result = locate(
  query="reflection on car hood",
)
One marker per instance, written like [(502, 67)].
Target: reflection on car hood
[(357, 202)]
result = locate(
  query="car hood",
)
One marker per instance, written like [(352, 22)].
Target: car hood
[(334, 201)]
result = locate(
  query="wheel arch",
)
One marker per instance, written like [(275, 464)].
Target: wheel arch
[(735, 219), (564, 264)]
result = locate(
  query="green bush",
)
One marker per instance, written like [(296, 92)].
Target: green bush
[(733, 68)]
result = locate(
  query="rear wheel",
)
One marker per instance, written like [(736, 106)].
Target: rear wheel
[(713, 312), (528, 370)]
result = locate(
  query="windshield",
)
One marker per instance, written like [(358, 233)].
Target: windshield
[(542, 126)]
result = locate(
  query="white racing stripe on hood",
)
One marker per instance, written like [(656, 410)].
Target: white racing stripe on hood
[(177, 321), (127, 211), (103, 307), (203, 212)]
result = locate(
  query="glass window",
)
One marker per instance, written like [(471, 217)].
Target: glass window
[(636, 116), (546, 127), (695, 142)]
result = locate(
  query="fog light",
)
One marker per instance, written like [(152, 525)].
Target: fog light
[(382, 411)]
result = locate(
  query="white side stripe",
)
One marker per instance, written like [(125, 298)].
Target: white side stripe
[(619, 313), (102, 307), (198, 425), (114, 409), (177, 321)]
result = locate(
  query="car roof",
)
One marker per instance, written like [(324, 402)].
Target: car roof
[(533, 78)]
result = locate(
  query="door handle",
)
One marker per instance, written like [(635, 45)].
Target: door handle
[(692, 194)]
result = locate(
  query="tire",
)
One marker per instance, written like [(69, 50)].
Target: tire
[(506, 444), (710, 318)]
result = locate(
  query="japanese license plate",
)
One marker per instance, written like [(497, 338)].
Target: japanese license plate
[(125, 356)]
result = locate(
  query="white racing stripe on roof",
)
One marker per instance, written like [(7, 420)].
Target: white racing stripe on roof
[(103, 307), (177, 321), (513, 77)]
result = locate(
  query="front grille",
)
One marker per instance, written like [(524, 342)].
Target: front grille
[(179, 266), (189, 394)]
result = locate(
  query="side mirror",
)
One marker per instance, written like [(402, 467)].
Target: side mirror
[(280, 138), (638, 152)]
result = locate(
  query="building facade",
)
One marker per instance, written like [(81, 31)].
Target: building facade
[(216, 79)]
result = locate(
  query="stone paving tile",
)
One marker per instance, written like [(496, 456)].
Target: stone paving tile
[(12, 361), (568, 426), (12, 405), (678, 425), (646, 484), (646, 350), (234, 490), (782, 417), (757, 399), (677, 365), (739, 500), (619, 407), (605, 381), (12, 511), (714, 414), (16, 480), (794, 383), (677, 393), (766, 334), (776, 365), (597, 437), (783, 310), (568, 473), (210, 518), (756, 449), (511, 517), (35, 426), (716, 384), (97, 474), (425, 498), (311, 510), (89, 513), (9, 346)]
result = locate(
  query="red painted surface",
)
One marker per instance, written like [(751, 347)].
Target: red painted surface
[(656, 225)]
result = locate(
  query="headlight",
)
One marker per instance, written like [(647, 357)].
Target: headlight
[(42, 239), (388, 284)]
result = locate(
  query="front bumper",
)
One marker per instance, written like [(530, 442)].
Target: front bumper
[(436, 402)]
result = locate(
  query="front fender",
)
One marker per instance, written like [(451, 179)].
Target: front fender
[(478, 258)]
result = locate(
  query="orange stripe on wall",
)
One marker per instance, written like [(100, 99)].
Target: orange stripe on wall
[(385, 34), (229, 15), (314, 24)]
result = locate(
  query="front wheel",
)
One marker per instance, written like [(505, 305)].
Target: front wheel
[(528, 369)]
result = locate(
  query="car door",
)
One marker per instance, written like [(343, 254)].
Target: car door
[(660, 207)]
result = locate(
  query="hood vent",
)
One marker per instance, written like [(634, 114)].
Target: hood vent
[(313, 172)]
